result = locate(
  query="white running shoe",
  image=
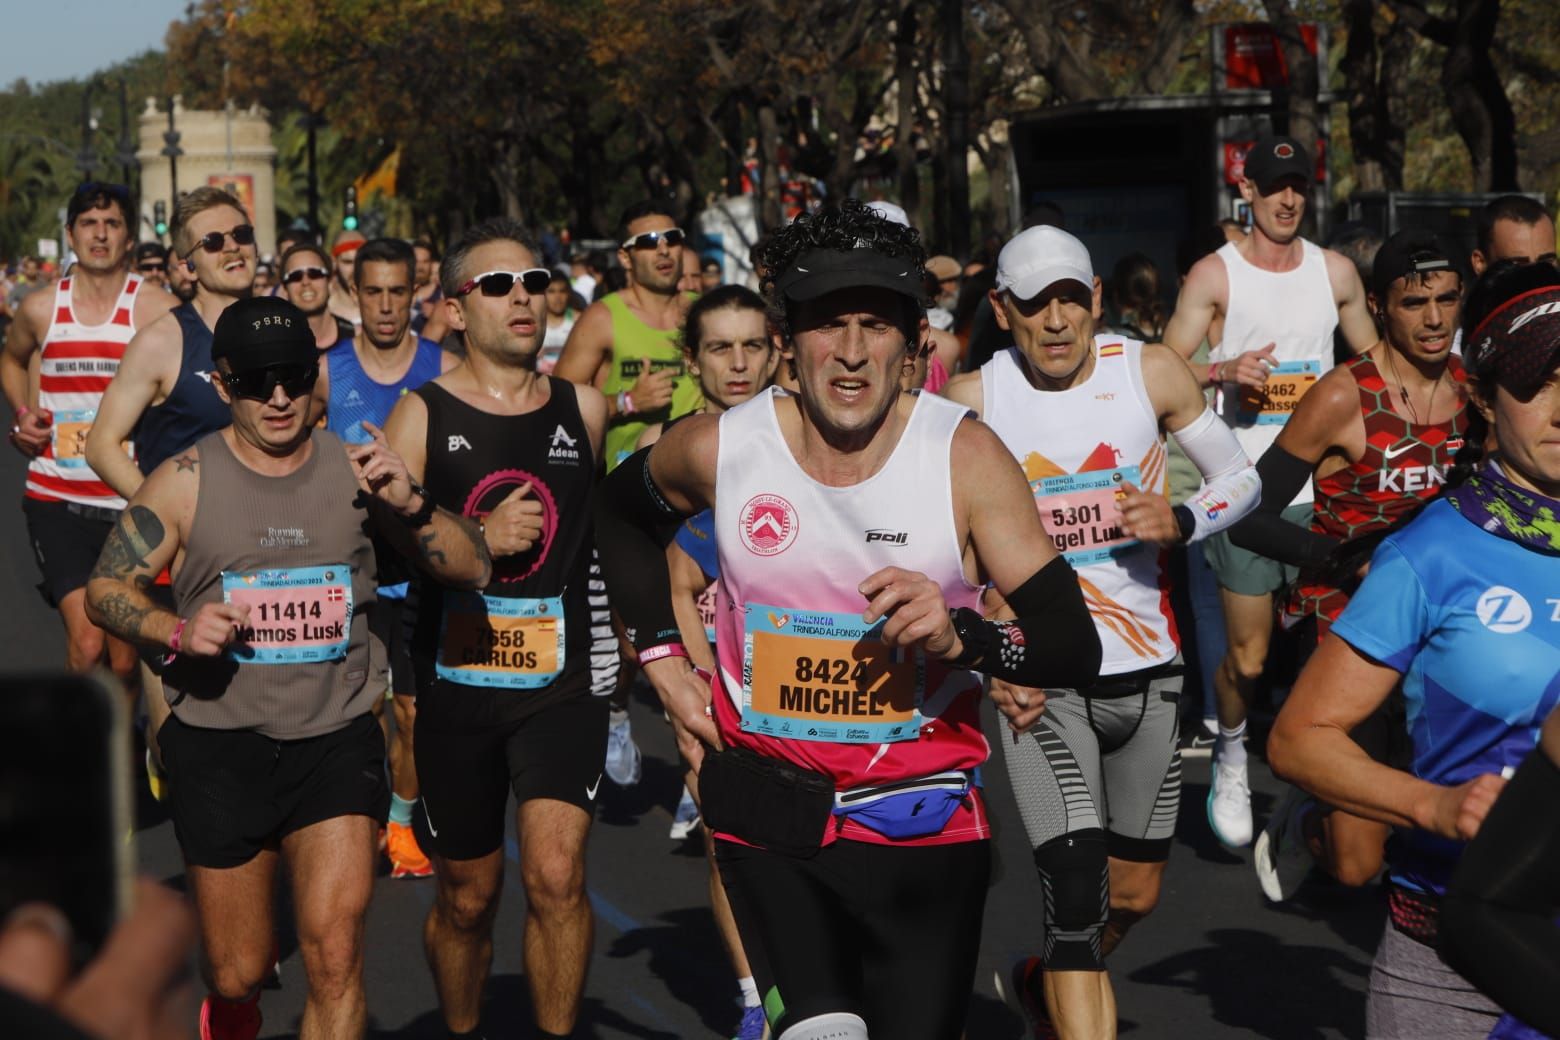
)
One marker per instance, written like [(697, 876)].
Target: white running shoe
[(1281, 857), (686, 819), (624, 765), (1229, 805)]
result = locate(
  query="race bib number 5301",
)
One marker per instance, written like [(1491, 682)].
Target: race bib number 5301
[(1078, 511)]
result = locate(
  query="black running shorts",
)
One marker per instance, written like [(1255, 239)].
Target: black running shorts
[(392, 621), (235, 792), (469, 757), (889, 933), (66, 540)]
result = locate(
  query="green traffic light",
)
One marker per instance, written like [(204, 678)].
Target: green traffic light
[(349, 223), (161, 229)]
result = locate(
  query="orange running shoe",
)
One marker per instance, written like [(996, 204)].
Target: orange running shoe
[(406, 859), (230, 1019)]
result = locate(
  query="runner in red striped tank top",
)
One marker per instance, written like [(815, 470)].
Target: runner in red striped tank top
[(79, 332), (1376, 436)]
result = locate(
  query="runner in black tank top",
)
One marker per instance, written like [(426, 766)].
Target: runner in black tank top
[(475, 461), (504, 680)]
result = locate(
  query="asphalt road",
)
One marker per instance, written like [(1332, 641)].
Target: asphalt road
[(1213, 961)]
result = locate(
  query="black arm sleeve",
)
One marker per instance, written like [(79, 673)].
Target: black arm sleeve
[(1265, 532), (1498, 926), (1052, 643), (634, 525)]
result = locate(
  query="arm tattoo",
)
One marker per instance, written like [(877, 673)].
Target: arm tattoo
[(425, 543), (186, 462), (137, 533), (122, 617)]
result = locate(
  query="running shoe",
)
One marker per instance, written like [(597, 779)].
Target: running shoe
[(229, 1020), (1197, 742), (752, 1027), (624, 764), (156, 779), (1229, 805), (406, 859), (1023, 991), (686, 819), (1281, 857)]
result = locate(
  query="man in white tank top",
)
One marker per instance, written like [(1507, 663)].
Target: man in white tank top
[(1275, 299), (1086, 416), (849, 516), (80, 329)]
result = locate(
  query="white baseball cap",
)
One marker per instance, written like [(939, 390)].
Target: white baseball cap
[(889, 211), (1039, 257)]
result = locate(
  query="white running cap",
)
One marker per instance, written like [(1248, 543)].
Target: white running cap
[(889, 211), (1039, 257)]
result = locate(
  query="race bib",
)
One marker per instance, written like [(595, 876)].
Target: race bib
[(1078, 511), (296, 615), (825, 676), (706, 605), (514, 644), (1271, 403)]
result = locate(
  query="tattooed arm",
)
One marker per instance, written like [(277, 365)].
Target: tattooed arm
[(449, 547)]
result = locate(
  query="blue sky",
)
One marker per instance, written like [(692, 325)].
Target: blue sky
[(47, 40)]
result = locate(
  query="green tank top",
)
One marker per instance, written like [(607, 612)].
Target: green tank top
[(635, 345)]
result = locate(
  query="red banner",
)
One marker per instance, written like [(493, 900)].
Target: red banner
[(1254, 58)]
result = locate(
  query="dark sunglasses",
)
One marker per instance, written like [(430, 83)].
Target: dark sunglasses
[(502, 283), (650, 239), (298, 274), (212, 242), (152, 268), (258, 384)]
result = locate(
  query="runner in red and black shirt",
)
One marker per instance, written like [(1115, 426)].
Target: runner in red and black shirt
[(1376, 436)]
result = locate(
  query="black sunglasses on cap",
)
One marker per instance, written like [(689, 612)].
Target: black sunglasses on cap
[(213, 241), (258, 384), (92, 189), (298, 274), (650, 239), (502, 283)]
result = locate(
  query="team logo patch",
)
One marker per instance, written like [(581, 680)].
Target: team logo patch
[(768, 525), (1284, 151), (1504, 610)]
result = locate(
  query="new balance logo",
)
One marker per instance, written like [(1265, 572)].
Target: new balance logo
[(563, 447), (457, 442)]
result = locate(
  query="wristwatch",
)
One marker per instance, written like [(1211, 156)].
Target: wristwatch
[(424, 515)]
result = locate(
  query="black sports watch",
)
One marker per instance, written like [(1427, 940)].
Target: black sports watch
[(424, 515)]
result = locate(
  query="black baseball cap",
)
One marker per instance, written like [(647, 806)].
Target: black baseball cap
[(262, 331), (151, 251), (1276, 157), (823, 271), (1409, 252)]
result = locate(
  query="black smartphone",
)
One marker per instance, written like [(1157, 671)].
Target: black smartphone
[(66, 826)]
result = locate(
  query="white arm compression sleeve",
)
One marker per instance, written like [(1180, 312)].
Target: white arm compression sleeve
[(1231, 487)]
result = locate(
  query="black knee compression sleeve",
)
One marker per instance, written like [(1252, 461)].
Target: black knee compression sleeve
[(1075, 880)]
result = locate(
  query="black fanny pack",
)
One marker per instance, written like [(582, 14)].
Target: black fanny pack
[(765, 801)]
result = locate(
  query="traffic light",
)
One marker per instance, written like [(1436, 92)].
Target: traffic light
[(160, 218), (349, 220)]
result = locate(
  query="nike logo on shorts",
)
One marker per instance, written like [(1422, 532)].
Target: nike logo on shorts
[(431, 829), (590, 792)]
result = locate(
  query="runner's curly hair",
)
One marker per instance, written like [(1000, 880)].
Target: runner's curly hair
[(850, 225)]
